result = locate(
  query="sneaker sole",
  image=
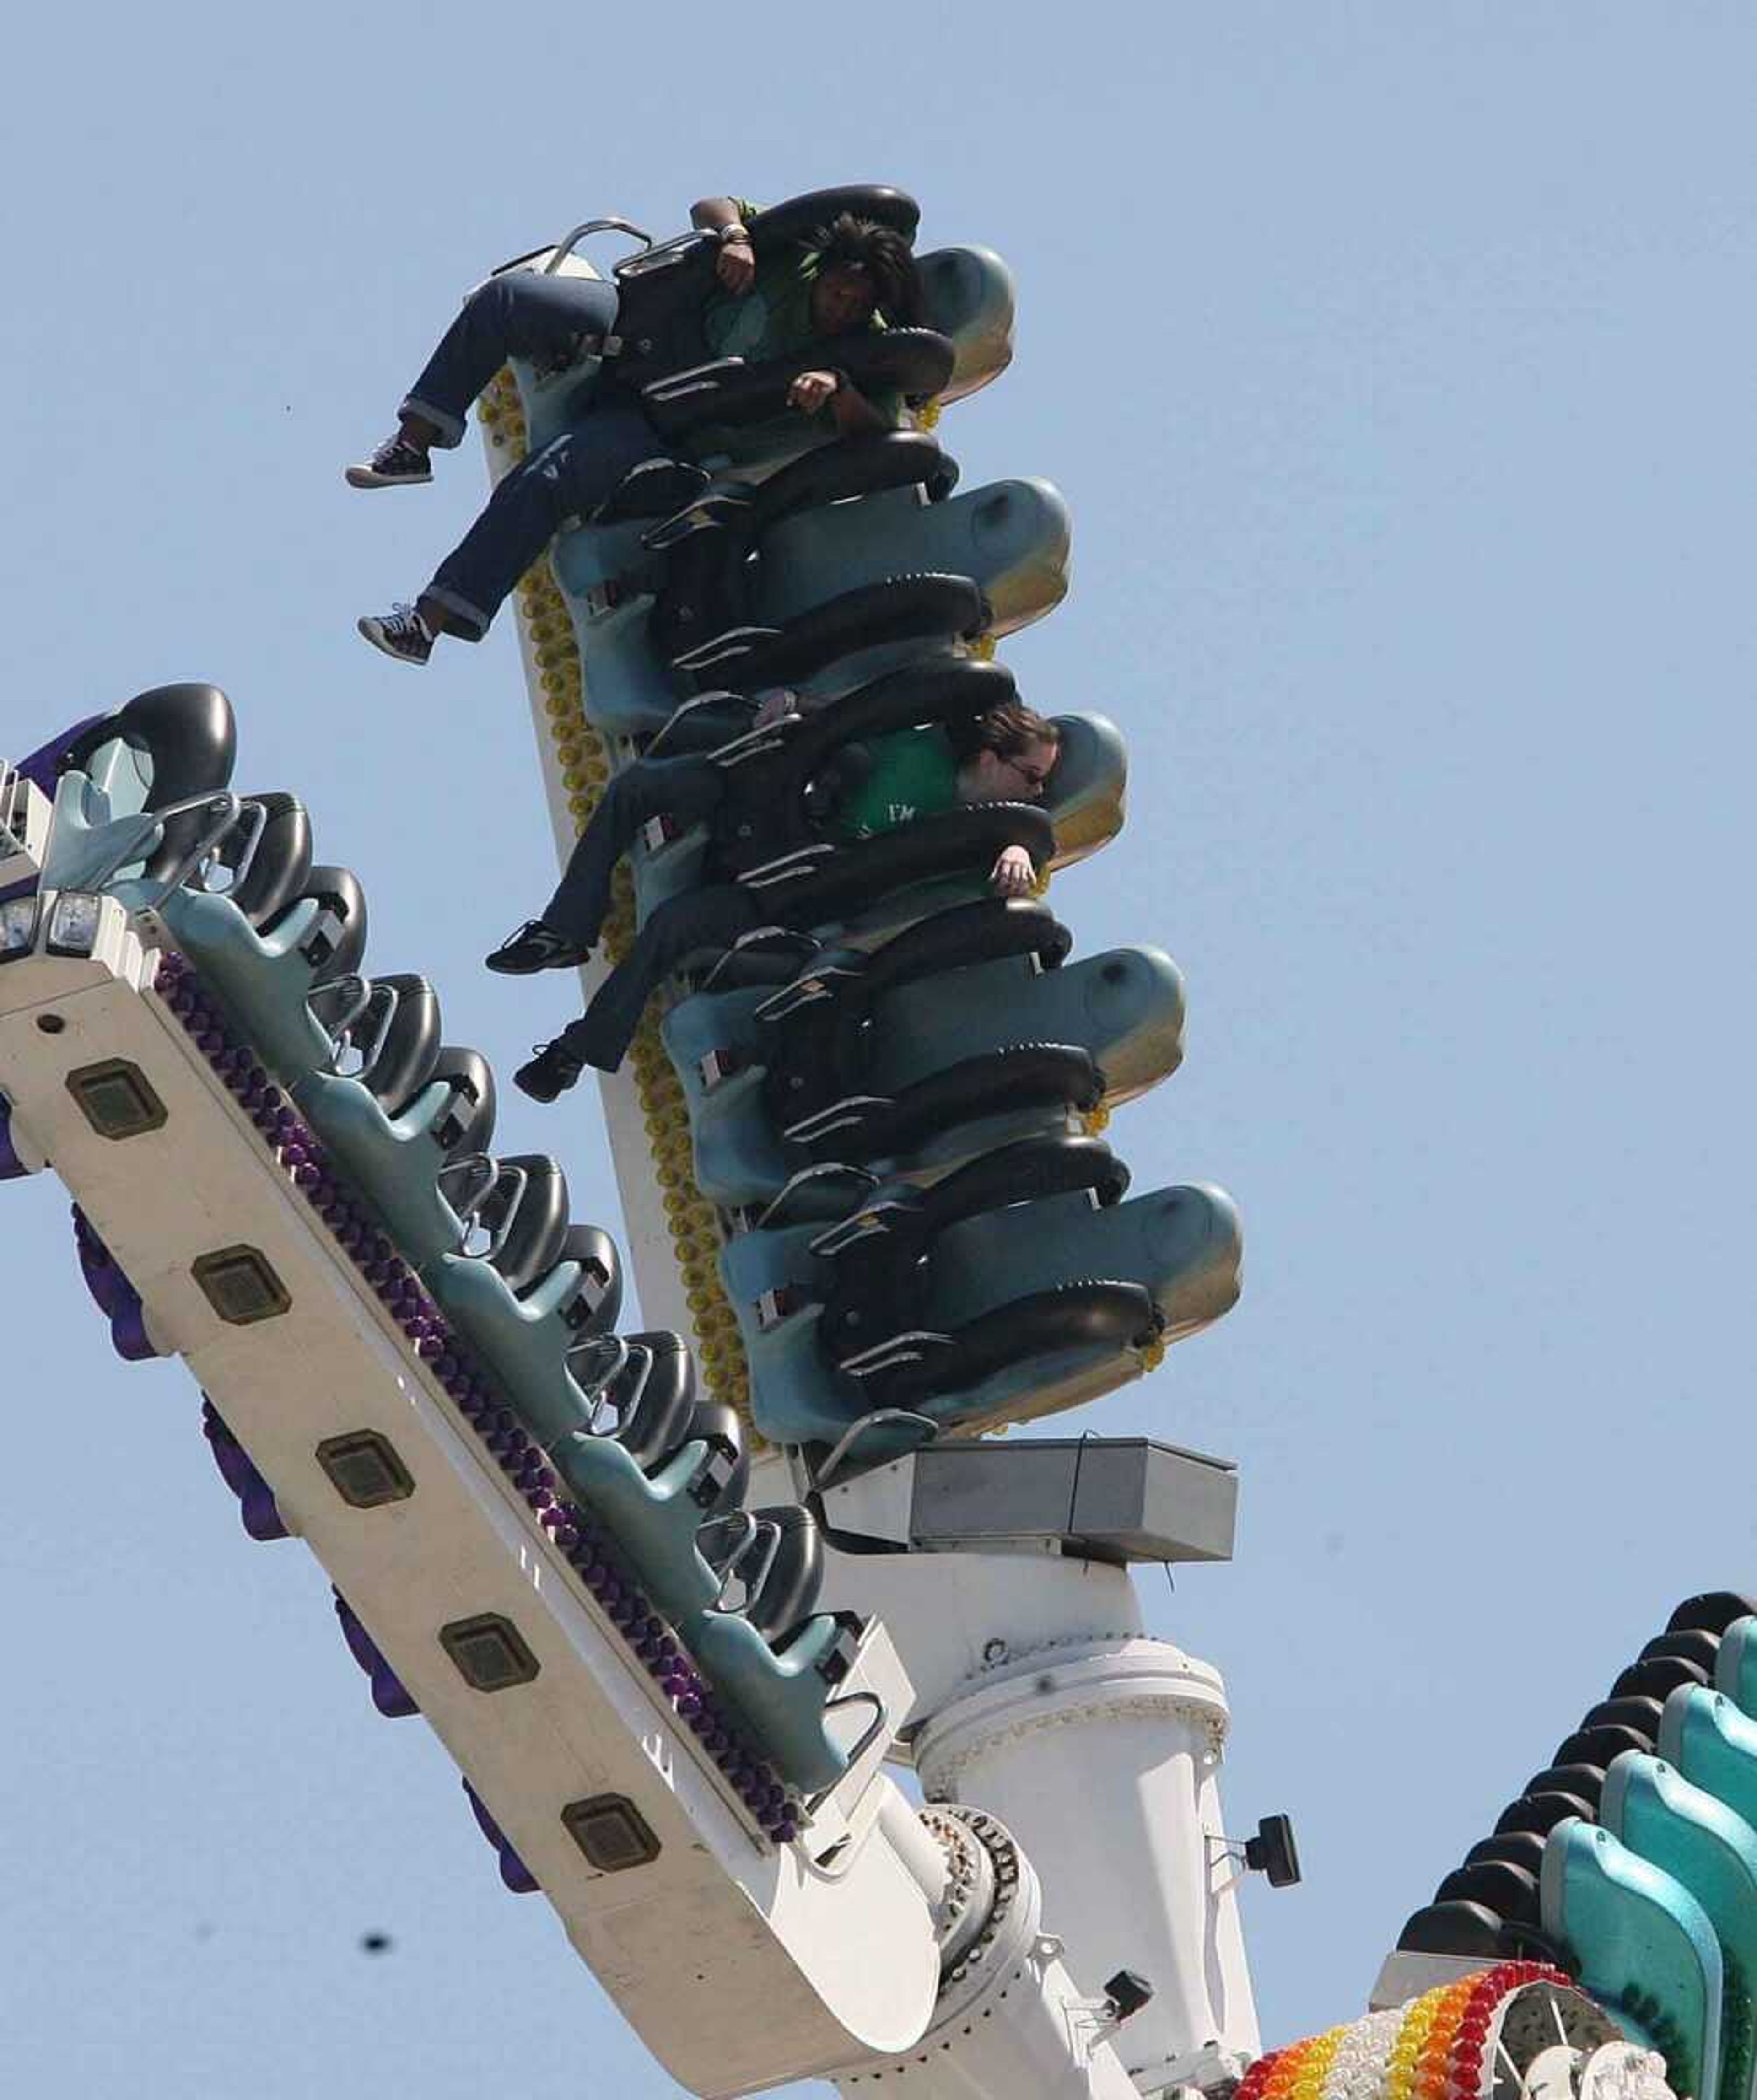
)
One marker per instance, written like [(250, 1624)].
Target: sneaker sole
[(364, 477), (373, 631), (504, 967)]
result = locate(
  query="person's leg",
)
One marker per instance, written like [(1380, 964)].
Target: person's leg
[(682, 926), (524, 314), (566, 481), (686, 788)]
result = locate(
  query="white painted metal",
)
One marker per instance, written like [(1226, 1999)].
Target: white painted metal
[(780, 1981), (1011, 2023), (1039, 1696)]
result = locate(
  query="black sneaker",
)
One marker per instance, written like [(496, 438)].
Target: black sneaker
[(549, 1073), (401, 632), (396, 464), (535, 947)]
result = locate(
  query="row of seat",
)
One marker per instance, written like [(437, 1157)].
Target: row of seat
[(387, 1129), (1631, 1857), (887, 1025)]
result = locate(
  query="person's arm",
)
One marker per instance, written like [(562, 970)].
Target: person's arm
[(725, 217), (854, 416)]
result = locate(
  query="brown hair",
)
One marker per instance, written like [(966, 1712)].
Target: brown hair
[(1007, 730), (881, 254)]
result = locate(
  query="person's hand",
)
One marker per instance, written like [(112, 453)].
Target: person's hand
[(810, 391), (735, 266), (1013, 875)]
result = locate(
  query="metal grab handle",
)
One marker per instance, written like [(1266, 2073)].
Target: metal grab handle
[(879, 1718), (761, 1530), (224, 809), (336, 1006), (595, 1364), (566, 248), (255, 814), (363, 999), (855, 1431)]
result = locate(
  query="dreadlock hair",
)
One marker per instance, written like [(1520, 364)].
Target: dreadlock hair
[(881, 253), (1006, 730)]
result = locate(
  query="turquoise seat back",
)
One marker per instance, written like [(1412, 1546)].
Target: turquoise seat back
[(967, 295), (1714, 1745), (1088, 791), (1736, 1665), (261, 979), (782, 1699), (1125, 1006), (653, 1518), (524, 1339), (394, 1162), (93, 837), (1644, 1945), (1183, 1245), (1011, 537), (1700, 1842)]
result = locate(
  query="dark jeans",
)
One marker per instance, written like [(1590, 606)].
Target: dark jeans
[(686, 788), (698, 921), (526, 315)]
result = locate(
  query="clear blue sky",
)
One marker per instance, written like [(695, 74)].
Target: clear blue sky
[(1397, 364)]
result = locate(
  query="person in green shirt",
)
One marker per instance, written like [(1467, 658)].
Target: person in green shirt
[(853, 277), (1004, 755), (1007, 755)]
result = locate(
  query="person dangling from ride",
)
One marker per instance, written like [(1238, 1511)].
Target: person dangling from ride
[(1004, 755), (853, 276)]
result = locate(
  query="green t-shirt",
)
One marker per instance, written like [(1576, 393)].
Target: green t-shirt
[(773, 317), (913, 773)]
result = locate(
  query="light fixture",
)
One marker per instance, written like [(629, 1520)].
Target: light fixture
[(364, 1469), (610, 1831), (18, 928), (74, 917), (240, 1286), (117, 1098), (489, 1652)]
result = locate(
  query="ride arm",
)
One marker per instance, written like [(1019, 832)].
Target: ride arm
[(819, 885), (913, 698), (1026, 1173), (908, 361)]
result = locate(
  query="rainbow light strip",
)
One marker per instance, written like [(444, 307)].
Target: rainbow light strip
[(1433, 2049)]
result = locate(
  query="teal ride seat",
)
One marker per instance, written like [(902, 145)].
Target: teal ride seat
[(1712, 1852), (1011, 538), (1086, 797), (1714, 1745), (394, 1162), (95, 840), (784, 1698), (1085, 807), (654, 1517), (1125, 1008), (525, 1339), (1644, 1947), (263, 980), (1181, 1245), (1736, 1665)]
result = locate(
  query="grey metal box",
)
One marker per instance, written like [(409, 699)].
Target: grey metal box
[(1119, 1498)]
